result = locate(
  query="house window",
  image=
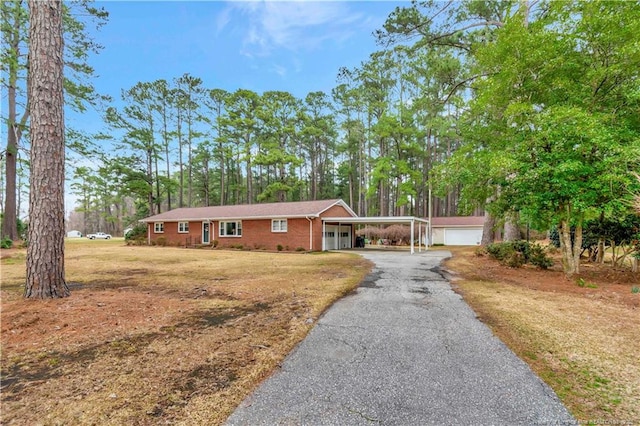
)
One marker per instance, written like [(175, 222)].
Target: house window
[(158, 227), (279, 225), (231, 229), (183, 227)]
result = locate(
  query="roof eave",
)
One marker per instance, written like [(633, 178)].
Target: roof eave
[(199, 219)]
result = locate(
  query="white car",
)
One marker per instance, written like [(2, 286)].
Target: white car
[(99, 236)]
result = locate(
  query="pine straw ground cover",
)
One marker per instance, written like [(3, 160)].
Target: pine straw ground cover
[(156, 335), (580, 336)]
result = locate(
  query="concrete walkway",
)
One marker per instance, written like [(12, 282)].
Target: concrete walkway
[(403, 350)]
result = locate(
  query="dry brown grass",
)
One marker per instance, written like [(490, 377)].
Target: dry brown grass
[(582, 341), (158, 335)]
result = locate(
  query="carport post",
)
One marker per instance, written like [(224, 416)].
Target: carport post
[(411, 237), (324, 233)]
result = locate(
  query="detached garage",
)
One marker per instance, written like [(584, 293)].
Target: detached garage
[(457, 230)]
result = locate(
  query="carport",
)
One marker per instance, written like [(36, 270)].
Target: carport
[(337, 232)]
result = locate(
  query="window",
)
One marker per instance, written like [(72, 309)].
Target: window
[(344, 234), (231, 229), (158, 227), (279, 225), (183, 227)]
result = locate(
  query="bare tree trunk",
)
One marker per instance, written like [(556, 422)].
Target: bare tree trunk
[(222, 173), (180, 162), (570, 249), (488, 229), (45, 254), (511, 229), (249, 173), (167, 156)]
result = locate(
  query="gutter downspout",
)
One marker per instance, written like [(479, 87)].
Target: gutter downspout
[(310, 232)]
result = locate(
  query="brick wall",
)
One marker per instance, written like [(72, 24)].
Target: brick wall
[(172, 237), (256, 234)]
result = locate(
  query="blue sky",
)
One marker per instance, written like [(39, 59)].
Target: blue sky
[(295, 46)]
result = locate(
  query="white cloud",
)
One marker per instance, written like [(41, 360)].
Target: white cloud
[(279, 69), (292, 25), (222, 20)]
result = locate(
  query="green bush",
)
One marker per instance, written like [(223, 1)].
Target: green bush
[(136, 236), (23, 229), (138, 231), (517, 253), (538, 257), (515, 260), (279, 247), (480, 251), (500, 251), (6, 243), (523, 247)]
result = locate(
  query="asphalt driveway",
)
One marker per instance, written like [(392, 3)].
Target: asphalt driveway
[(403, 350)]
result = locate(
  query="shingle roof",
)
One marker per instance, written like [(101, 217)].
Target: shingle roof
[(249, 211), (457, 221)]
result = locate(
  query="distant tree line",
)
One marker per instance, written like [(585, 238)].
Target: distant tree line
[(527, 110)]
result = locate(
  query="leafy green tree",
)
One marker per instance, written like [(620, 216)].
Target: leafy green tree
[(215, 110), (241, 131), (352, 170), (78, 45), (162, 98), (317, 134), (278, 114), (559, 112), (189, 95), (443, 38), (138, 145)]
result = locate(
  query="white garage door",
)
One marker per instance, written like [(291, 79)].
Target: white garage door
[(462, 237)]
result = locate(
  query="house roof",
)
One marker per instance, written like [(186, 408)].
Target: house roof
[(250, 211), (457, 221)]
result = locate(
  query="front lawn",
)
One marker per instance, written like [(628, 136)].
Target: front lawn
[(158, 335)]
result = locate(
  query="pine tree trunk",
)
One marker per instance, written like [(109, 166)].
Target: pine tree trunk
[(45, 254), (9, 222)]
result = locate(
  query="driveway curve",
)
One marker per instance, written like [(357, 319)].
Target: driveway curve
[(404, 349)]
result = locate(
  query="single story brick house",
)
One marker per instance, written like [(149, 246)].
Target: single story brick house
[(457, 230), (290, 225)]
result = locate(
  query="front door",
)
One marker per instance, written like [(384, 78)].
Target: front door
[(205, 233)]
